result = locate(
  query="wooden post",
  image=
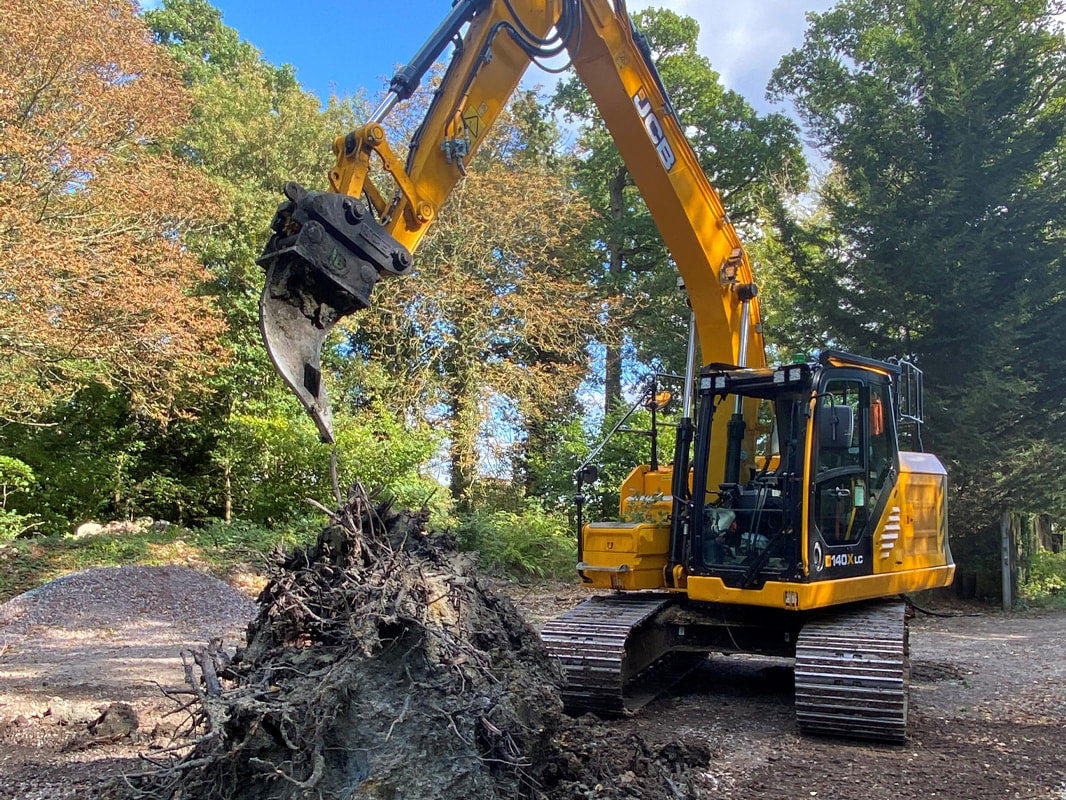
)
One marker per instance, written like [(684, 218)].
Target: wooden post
[(1005, 551)]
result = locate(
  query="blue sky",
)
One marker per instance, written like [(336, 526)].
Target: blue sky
[(344, 45)]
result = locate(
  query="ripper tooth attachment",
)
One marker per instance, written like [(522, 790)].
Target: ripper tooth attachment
[(322, 262)]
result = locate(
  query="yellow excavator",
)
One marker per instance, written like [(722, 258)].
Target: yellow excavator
[(789, 523)]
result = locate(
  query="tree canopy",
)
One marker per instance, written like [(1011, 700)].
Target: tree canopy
[(941, 227), (95, 284)]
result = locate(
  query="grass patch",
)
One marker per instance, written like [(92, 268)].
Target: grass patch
[(519, 544)]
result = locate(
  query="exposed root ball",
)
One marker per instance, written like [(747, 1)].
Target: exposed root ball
[(379, 666)]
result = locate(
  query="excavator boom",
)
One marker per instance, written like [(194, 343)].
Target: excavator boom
[(329, 249)]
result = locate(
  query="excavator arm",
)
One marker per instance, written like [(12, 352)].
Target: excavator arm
[(330, 248)]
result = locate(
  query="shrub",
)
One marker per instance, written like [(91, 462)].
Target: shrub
[(15, 477), (244, 539), (1047, 578), (529, 542)]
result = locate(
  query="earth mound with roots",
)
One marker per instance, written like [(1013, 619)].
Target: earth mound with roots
[(381, 666)]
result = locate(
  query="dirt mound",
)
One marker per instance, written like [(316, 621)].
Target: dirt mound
[(379, 666), (113, 627), (94, 597)]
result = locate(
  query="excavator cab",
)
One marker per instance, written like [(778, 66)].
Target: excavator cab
[(745, 532), (815, 496), (810, 512)]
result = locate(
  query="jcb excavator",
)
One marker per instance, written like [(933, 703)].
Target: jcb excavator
[(789, 519)]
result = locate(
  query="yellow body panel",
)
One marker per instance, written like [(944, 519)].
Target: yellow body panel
[(625, 555), (913, 533), (820, 594), (910, 547)]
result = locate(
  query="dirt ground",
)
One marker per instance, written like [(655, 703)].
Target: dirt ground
[(988, 700)]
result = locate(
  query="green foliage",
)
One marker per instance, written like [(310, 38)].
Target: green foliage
[(939, 231), (15, 477), (529, 542), (96, 435), (625, 450), (244, 541), (276, 460), (549, 464), (1047, 579), (192, 30)]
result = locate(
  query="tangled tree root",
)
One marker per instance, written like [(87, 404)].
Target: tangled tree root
[(379, 666)]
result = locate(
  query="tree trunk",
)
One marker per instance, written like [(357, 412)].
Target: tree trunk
[(462, 453), (465, 415), (227, 494), (116, 487), (612, 379)]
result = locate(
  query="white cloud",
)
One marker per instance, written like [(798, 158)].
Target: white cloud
[(744, 41)]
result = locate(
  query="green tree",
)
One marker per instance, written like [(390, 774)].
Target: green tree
[(488, 337), (254, 128), (16, 477), (942, 226), (116, 462)]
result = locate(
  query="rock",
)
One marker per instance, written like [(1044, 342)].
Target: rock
[(88, 529), (122, 526), (164, 729), (60, 711), (118, 721), (119, 526)]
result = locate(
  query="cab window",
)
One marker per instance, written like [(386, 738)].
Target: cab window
[(882, 440), (840, 472)]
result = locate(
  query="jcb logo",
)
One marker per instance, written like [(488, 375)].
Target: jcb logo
[(654, 129), (843, 560)]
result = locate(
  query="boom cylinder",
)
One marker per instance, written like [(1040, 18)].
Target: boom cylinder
[(737, 428), (679, 527)]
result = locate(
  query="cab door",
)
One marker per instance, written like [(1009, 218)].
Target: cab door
[(851, 462)]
